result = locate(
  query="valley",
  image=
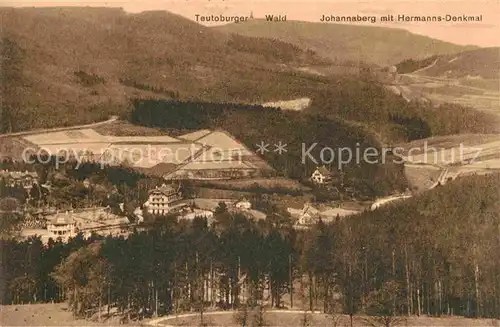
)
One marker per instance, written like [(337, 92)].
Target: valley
[(438, 91), (156, 171), (436, 161), (469, 78)]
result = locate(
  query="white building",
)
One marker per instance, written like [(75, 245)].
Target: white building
[(62, 225), (138, 214), (321, 176), (162, 199), (243, 205), (24, 179), (308, 215)]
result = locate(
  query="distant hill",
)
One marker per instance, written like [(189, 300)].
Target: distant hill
[(479, 63), (62, 65), (69, 66), (377, 45)]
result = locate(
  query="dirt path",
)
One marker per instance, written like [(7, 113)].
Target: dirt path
[(296, 104), (61, 129), (46, 314), (426, 67), (296, 318)]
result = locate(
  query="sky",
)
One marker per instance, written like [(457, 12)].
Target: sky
[(484, 33)]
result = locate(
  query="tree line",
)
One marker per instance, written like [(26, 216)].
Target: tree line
[(394, 119), (436, 255), (68, 186)]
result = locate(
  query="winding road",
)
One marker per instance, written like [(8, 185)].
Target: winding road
[(160, 321), (441, 180)]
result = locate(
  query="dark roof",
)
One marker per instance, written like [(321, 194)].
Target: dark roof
[(324, 171), (165, 189), (160, 169)]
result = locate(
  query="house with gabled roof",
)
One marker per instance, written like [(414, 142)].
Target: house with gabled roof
[(25, 179), (306, 216), (62, 225), (162, 199), (321, 176)]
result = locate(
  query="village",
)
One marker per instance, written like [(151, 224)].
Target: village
[(196, 158), (167, 198), (190, 165), (187, 176)]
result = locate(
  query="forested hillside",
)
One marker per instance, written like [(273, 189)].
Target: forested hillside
[(433, 255), (443, 244), (255, 124), (391, 117), (67, 66), (112, 185), (411, 65)]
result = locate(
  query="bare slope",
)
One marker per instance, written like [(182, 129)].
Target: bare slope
[(49, 314), (82, 64), (377, 45)]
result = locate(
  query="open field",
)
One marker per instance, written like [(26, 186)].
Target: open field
[(56, 314), (297, 318), (297, 104), (486, 84), (461, 154), (261, 183), (482, 95), (202, 152), (47, 314), (421, 178), (124, 128), (432, 159), (449, 141)]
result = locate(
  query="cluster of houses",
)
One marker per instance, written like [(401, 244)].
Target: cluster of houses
[(167, 199), (309, 215), (25, 179), (214, 155), (68, 224)]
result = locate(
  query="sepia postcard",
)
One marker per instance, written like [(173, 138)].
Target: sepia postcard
[(250, 163)]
